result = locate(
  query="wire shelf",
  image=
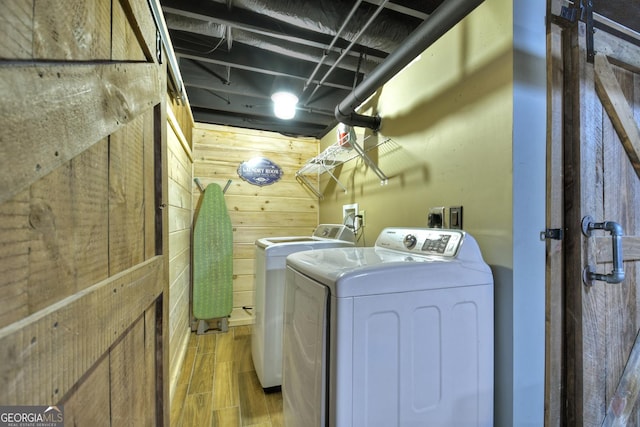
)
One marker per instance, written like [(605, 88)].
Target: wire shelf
[(346, 149)]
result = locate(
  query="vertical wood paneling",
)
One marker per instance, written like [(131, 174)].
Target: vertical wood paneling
[(72, 29), (51, 264), (183, 119), (180, 214), (129, 377), (152, 373), (82, 170), (150, 209), (601, 321), (16, 21), (124, 44), (55, 236), (621, 186), (178, 322), (284, 208), (85, 403), (554, 219), (90, 204), (594, 300), (15, 236), (126, 197), (68, 216), (141, 29)]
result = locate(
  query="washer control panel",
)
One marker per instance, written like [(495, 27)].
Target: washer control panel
[(422, 241), (334, 231)]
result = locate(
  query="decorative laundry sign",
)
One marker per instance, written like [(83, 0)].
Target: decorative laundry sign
[(260, 171)]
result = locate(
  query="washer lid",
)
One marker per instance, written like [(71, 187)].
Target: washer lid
[(269, 241), (284, 249), (322, 232)]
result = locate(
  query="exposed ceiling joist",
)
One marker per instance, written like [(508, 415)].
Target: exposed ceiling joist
[(233, 52)]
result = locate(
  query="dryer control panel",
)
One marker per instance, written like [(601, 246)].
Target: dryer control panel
[(422, 241)]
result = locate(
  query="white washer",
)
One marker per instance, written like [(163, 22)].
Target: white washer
[(270, 265), (400, 334)]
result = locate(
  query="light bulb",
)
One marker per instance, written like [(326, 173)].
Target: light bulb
[(284, 105)]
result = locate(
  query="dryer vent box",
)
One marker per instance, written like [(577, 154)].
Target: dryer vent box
[(349, 213)]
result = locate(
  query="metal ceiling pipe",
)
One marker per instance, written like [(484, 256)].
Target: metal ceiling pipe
[(333, 42), (350, 47), (445, 17)]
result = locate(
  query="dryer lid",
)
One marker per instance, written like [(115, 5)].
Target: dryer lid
[(425, 265)]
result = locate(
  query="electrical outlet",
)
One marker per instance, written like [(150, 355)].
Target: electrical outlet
[(435, 218), (363, 219)]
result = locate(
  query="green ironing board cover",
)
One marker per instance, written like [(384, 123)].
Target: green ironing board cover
[(212, 257)]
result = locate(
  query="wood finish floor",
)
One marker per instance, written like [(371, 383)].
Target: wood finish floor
[(218, 386)]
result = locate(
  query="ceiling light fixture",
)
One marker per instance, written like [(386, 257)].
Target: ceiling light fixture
[(284, 105)]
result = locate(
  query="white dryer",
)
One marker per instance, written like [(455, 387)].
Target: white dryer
[(270, 265), (400, 334)]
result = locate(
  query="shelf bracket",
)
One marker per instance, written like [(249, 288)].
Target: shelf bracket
[(369, 162), (310, 186)]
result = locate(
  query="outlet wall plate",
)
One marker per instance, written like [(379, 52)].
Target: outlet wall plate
[(435, 217)]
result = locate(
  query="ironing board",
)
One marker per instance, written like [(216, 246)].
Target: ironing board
[(212, 260)]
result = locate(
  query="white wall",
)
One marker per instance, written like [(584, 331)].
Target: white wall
[(529, 172)]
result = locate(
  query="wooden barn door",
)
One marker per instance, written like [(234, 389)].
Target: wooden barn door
[(83, 232), (601, 151)]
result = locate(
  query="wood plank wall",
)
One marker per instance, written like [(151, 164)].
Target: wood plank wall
[(83, 275), (181, 112), (180, 161), (285, 208)]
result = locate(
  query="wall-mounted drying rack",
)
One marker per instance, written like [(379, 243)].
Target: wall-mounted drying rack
[(347, 148)]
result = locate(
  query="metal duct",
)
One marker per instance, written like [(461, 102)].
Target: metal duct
[(283, 47), (445, 17), (326, 15)]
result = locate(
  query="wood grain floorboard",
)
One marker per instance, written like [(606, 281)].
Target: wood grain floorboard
[(207, 343), (197, 410), (202, 375), (274, 404), (253, 405), (225, 386), (226, 417), (218, 386)]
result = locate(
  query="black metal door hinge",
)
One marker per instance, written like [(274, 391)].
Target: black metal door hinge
[(552, 233), (582, 10), (570, 14)]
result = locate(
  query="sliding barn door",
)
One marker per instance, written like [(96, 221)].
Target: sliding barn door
[(601, 151), (83, 232)]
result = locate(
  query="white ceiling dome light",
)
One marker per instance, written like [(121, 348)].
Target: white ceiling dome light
[(284, 105)]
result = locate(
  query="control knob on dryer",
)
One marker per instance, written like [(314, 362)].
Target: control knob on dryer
[(410, 241)]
